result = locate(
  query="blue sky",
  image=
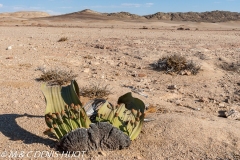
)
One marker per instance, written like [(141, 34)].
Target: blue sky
[(142, 7)]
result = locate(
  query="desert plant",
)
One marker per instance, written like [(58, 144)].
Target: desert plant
[(128, 115), (114, 128), (233, 66), (177, 64), (63, 112), (57, 76), (62, 39), (192, 67), (101, 135), (96, 90)]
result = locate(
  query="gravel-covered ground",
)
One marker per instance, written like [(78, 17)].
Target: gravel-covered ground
[(187, 123)]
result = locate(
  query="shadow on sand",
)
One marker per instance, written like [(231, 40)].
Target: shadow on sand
[(10, 128)]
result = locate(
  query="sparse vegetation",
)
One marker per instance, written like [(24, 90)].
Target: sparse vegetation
[(57, 77), (180, 28), (95, 91), (67, 119), (63, 39), (177, 64), (144, 27), (233, 66)]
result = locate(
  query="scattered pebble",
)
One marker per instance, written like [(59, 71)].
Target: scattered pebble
[(9, 48), (172, 87), (221, 105), (203, 99), (141, 75), (102, 153), (87, 70), (178, 102), (15, 102), (9, 58)]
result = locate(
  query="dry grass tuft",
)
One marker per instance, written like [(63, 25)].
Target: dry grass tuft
[(177, 64), (95, 91), (233, 67), (57, 77), (63, 39)]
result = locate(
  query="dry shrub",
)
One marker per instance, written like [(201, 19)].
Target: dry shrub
[(144, 27), (192, 67), (63, 39), (95, 91), (180, 28), (176, 64), (227, 66), (57, 77)]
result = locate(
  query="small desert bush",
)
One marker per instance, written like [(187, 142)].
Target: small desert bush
[(233, 66), (57, 77), (180, 28), (177, 64), (63, 39), (95, 91), (144, 27)]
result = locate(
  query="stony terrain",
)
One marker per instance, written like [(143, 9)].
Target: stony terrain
[(214, 16), (188, 121)]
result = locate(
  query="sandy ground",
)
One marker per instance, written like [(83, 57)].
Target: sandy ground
[(187, 123)]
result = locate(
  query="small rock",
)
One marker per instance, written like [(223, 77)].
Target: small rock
[(222, 114), (141, 75), (9, 58), (137, 41), (16, 102), (99, 46), (102, 153), (138, 157), (172, 87), (228, 100), (182, 72), (9, 48), (221, 105), (86, 70), (94, 63), (178, 102), (120, 64), (203, 99), (188, 73)]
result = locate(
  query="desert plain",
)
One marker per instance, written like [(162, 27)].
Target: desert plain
[(188, 121)]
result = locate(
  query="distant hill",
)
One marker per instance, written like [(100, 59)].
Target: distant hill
[(125, 15), (25, 14), (213, 16), (87, 14)]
